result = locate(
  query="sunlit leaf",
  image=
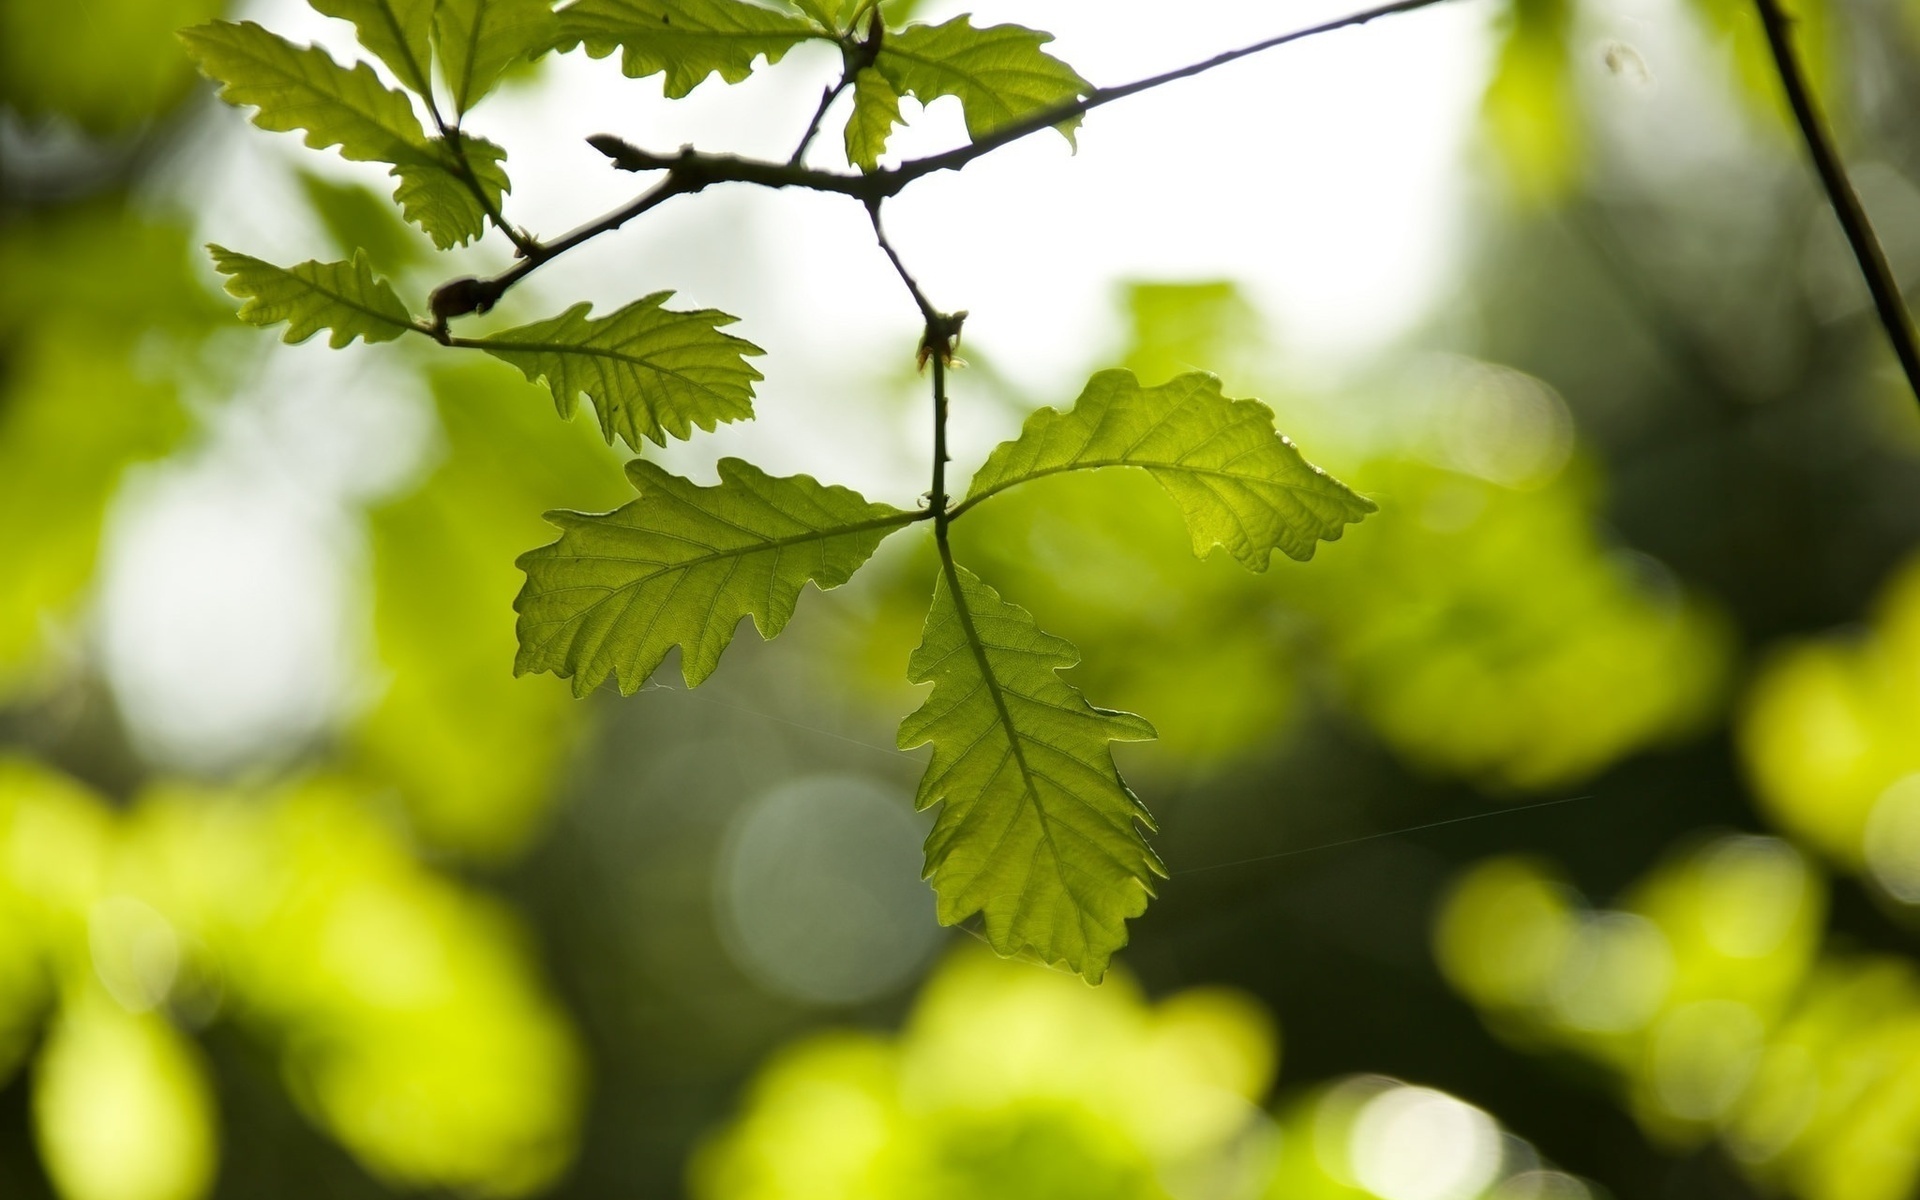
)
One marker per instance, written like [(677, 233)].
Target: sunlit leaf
[(1037, 831), (649, 370), (396, 30), (1240, 484), (480, 40), (681, 565), (344, 298), (687, 40), (303, 88), (436, 197), (876, 110), (122, 1107), (999, 73)]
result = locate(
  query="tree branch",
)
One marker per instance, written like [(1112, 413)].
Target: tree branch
[(1892, 307), (692, 171)]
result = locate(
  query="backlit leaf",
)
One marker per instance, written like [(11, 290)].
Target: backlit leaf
[(342, 297), (480, 40), (1240, 483), (1037, 833), (303, 88), (396, 30), (999, 73), (681, 565), (650, 371), (876, 110), (687, 40), (435, 197)]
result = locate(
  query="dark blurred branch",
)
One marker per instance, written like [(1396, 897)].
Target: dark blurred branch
[(1894, 317), (691, 170)]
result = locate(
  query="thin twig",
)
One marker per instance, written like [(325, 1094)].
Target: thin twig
[(691, 171), (1894, 317), (928, 313)]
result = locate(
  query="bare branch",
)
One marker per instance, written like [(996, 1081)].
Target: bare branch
[(1892, 307)]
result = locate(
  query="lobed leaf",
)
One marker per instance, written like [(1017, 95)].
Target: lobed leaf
[(1037, 833), (1239, 482), (434, 195), (681, 565), (999, 73), (480, 40), (342, 297), (395, 30), (876, 110), (650, 371), (687, 40), (303, 88)]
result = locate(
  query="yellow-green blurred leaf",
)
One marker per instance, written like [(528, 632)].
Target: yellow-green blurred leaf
[(1532, 113), (122, 1107), (107, 65), (474, 751)]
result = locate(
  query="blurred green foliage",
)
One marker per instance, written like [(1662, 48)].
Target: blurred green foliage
[(403, 1010), (1709, 995), (391, 959)]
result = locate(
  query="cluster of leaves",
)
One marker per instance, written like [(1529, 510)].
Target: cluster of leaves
[(1037, 835)]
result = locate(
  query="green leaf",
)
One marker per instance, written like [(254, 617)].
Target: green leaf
[(302, 88), (356, 217), (681, 565), (876, 110), (1239, 483), (434, 196), (1038, 832), (395, 30), (688, 40), (480, 40), (999, 74), (343, 297), (650, 371)]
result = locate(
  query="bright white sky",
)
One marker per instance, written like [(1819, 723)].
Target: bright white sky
[(1326, 177)]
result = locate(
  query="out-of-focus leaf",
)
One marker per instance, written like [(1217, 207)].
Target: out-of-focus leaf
[(480, 40), (55, 846), (122, 1107), (395, 30), (876, 110), (681, 565), (999, 74), (1037, 832), (1829, 731), (97, 308), (301, 88), (650, 371), (1005, 1082), (1819, 50), (1531, 111), (108, 65), (408, 1017), (357, 218), (687, 40), (343, 298), (474, 752), (1240, 483)]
